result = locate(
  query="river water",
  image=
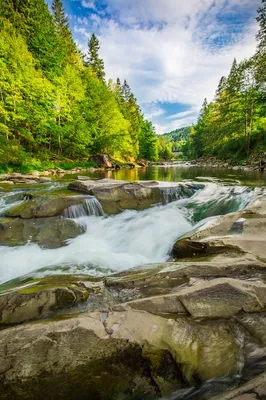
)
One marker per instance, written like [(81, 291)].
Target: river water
[(132, 238)]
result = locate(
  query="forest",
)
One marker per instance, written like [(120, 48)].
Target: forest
[(57, 107), (233, 125), (55, 103)]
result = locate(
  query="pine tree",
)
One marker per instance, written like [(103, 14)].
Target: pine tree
[(95, 62), (260, 57), (261, 36), (126, 91), (62, 28), (221, 87)]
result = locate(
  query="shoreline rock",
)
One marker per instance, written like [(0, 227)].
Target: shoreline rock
[(147, 332)]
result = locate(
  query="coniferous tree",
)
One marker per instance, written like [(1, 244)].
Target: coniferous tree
[(95, 62), (126, 91), (62, 28)]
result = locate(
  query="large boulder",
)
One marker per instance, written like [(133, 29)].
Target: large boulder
[(103, 161), (47, 232), (44, 206), (144, 348), (242, 232), (116, 196)]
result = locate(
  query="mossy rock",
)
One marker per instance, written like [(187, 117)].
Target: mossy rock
[(47, 232), (38, 300)]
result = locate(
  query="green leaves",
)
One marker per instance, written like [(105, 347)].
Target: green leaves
[(51, 102)]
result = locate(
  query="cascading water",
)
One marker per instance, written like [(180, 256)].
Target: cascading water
[(216, 199), (90, 206), (109, 244), (123, 241), (8, 200)]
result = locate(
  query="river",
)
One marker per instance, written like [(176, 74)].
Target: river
[(132, 238)]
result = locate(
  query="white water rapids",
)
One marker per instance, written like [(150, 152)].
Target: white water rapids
[(120, 242), (114, 243)]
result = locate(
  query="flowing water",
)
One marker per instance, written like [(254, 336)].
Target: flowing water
[(91, 206), (117, 243), (120, 242)]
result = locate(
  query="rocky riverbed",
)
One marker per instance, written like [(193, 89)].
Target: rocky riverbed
[(150, 331)]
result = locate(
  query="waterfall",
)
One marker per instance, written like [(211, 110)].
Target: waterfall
[(178, 192), (90, 206), (123, 241), (110, 244), (11, 199)]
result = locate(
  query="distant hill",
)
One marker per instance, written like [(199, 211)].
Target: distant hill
[(178, 134), (178, 137)]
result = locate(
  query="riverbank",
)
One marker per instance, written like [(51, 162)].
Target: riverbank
[(211, 162)]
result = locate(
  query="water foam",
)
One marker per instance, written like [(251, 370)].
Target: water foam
[(90, 206), (109, 244)]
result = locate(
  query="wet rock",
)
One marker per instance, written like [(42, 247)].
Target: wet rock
[(255, 389), (44, 206), (236, 234), (116, 196), (47, 232)]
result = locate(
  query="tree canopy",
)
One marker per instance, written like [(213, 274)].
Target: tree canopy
[(233, 125), (54, 101)]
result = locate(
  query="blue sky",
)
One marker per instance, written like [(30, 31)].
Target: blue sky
[(172, 52)]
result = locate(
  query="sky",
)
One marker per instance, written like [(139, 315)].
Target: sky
[(172, 52)]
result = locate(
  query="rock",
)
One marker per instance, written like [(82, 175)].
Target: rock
[(7, 183), (44, 206), (47, 232), (35, 173), (119, 357), (144, 348), (159, 279), (236, 233), (23, 179), (116, 196), (41, 300), (255, 389), (223, 298), (103, 161), (142, 163)]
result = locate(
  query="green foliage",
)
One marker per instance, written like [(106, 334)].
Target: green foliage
[(54, 103), (165, 148), (179, 138), (95, 62), (233, 125)]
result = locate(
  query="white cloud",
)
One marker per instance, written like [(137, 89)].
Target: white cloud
[(154, 111), (88, 4), (181, 115), (168, 50)]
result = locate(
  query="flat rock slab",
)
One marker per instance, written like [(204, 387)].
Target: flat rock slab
[(23, 179), (116, 196)]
